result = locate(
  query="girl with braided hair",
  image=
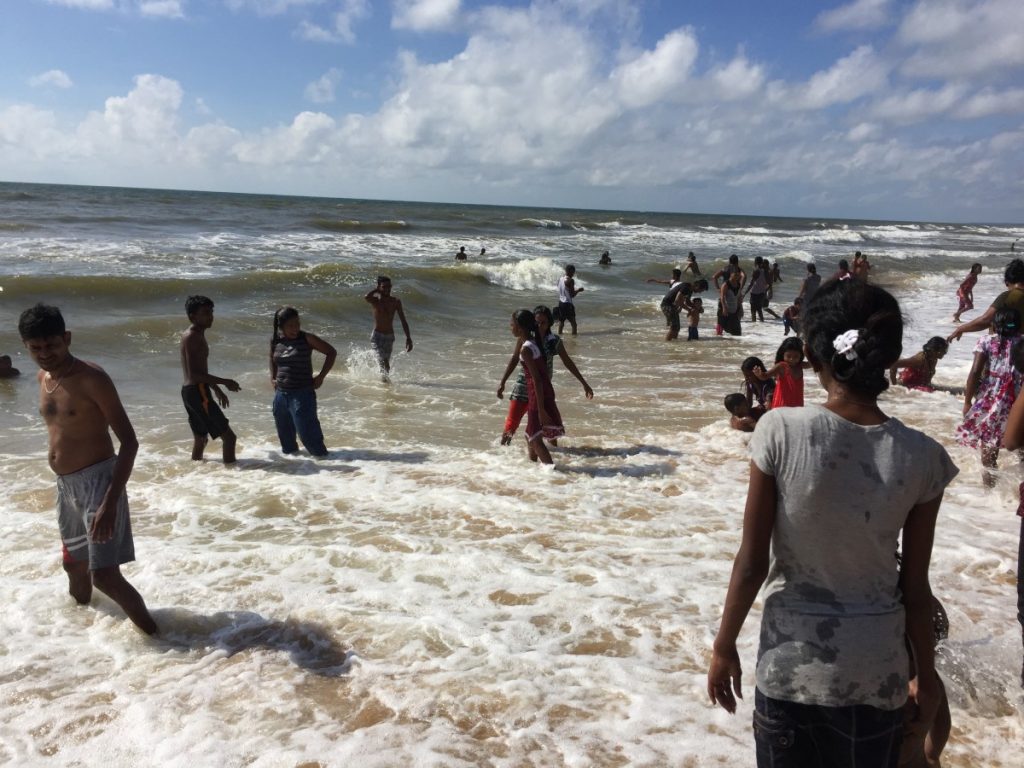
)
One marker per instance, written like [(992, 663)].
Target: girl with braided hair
[(831, 488)]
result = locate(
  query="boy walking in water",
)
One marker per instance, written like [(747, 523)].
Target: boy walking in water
[(567, 291), (81, 407), (204, 417), (383, 337)]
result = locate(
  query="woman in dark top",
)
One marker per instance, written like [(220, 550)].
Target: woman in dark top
[(291, 371)]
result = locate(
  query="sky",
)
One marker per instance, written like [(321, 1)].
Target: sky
[(882, 109)]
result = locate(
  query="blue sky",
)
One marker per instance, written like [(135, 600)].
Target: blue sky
[(870, 108)]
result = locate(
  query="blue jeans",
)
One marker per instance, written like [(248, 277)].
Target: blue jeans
[(791, 735), (295, 412)]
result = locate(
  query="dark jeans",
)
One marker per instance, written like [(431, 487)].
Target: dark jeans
[(295, 411), (791, 735)]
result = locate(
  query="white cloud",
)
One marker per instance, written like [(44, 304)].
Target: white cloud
[(90, 5), (26, 131), (166, 9), (54, 78), (989, 101), (738, 79), (424, 15), (321, 90), (308, 140), (268, 7), (863, 132), (852, 77), (342, 27), (920, 104), (957, 38), (861, 14), (144, 119), (654, 75)]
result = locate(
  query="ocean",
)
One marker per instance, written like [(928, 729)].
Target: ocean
[(425, 596)]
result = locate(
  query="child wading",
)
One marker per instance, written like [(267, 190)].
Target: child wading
[(788, 373), (291, 372), (542, 417), (991, 388), (965, 293), (757, 385), (917, 370), (832, 667)]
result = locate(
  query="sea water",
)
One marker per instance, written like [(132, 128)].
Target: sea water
[(425, 596)]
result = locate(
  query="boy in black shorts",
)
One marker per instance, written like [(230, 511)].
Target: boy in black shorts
[(204, 417)]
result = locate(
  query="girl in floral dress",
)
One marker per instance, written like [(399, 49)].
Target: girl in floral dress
[(992, 386)]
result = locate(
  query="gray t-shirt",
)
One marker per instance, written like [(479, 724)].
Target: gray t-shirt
[(833, 624)]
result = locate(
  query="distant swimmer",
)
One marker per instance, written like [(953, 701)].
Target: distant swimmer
[(204, 417), (483, 251), (385, 306), (605, 259), (1013, 245), (7, 371), (462, 255), (567, 291), (81, 407)]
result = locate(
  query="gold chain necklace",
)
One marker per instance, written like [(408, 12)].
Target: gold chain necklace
[(57, 385)]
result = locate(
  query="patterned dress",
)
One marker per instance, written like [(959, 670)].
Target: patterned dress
[(985, 422), (533, 426)]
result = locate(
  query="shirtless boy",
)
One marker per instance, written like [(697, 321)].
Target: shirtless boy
[(204, 417), (383, 337), (81, 407)]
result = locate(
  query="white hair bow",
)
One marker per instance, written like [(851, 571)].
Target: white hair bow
[(843, 343)]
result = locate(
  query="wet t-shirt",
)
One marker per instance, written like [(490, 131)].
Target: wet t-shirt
[(833, 624)]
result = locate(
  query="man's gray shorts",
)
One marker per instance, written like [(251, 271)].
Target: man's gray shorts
[(79, 495), (383, 344)]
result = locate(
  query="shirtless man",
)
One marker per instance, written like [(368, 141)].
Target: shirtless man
[(80, 406), (204, 417), (383, 337)]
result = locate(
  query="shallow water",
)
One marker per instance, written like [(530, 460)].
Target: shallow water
[(425, 596)]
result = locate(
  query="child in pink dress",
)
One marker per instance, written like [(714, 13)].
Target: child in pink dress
[(788, 372)]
